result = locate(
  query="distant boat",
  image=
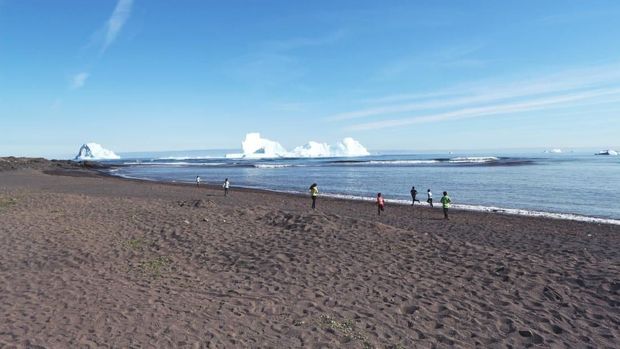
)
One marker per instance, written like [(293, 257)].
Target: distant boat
[(554, 151), (607, 152)]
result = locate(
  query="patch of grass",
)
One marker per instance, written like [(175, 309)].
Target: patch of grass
[(134, 244), (154, 266), (345, 328), (243, 264), (6, 202)]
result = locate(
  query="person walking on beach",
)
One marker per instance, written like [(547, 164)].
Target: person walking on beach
[(414, 193), (226, 186), (430, 197), (380, 204), (445, 202), (314, 192), (198, 181)]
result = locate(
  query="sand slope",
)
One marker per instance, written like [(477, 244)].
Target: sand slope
[(102, 262)]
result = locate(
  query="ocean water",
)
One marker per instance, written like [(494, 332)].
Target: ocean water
[(562, 184)]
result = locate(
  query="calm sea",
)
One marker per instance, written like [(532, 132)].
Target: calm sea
[(574, 184)]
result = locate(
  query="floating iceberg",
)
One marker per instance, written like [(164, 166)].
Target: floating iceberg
[(94, 151), (256, 147), (607, 152), (349, 147)]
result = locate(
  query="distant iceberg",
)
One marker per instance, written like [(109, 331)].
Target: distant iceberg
[(607, 152), (554, 151), (94, 151), (254, 147)]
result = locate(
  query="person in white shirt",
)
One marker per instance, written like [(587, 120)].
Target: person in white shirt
[(430, 197), (226, 185), (198, 181)]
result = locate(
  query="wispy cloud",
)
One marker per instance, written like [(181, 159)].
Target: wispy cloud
[(273, 62), (78, 80), (105, 37), (488, 92), (302, 42), (573, 17), (115, 23), (612, 95), (456, 56)]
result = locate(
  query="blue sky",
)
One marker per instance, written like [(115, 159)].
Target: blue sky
[(169, 75)]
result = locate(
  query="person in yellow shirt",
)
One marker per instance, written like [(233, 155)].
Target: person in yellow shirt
[(314, 192), (445, 202)]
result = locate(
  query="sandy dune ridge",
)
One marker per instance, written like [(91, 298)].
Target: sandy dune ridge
[(91, 261)]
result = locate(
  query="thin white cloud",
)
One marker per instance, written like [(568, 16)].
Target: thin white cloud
[(275, 62), (485, 92), (498, 109), (110, 31), (302, 42), (79, 80), (115, 23), (448, 57)]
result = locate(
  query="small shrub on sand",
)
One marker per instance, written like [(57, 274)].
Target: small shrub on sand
[(6, 202), (345, 328), (134, 244), (155, 266)]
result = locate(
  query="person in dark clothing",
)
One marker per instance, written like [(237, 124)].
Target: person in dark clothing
[(314, 192), (414, 193)]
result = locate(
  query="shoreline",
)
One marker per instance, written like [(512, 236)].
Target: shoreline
[(457, 207), (87, 168)]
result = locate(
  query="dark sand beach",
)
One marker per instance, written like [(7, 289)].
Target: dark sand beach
[(89, 261)]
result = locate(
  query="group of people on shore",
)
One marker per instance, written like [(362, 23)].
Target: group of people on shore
[(446, 201), (380, 201)]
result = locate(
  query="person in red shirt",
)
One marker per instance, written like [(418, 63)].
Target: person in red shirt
[(380, 204)]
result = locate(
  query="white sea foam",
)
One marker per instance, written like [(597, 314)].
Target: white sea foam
[(401, 162), (274, 165), (521, 212), (473, 159), (256, 147), (94, 151)]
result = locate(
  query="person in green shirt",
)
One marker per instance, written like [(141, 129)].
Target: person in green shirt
[(314, 192), (445, 202)]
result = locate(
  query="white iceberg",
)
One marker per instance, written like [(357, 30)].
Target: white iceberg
[(554, 151), (312, 149), (607, 152), (94, 151), (255, 147), (349, 147)]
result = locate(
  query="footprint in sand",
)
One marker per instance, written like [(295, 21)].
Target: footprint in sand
[(534, 338)]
